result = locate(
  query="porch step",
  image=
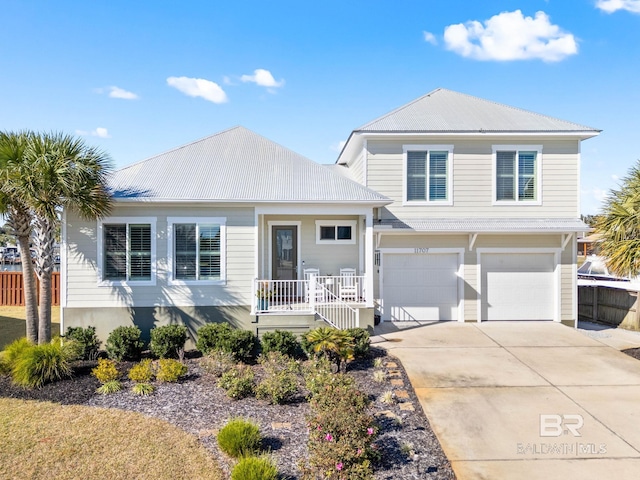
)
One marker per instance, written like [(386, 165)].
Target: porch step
[(298, 324)]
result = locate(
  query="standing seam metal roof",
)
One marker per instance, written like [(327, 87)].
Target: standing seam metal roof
[(236, 165)]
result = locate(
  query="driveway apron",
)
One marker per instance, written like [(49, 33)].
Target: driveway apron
[(524, 400)]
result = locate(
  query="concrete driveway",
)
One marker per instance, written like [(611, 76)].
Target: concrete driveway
[(525, 400)]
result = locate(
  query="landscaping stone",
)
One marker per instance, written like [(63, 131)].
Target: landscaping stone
[(280, 425), (401, 394), (397, 382), (407, 406)]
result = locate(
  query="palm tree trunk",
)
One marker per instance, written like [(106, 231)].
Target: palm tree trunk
[(45, 241), (20, 221)]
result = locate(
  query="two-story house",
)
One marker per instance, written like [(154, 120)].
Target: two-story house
[(448, 208)]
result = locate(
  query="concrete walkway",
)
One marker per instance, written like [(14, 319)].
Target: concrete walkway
[(525, 400)]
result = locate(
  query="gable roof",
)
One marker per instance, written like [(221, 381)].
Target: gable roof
[(236, 165), (447, 111)]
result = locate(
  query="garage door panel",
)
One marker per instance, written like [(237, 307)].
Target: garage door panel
[(420, 287), (518, 286)]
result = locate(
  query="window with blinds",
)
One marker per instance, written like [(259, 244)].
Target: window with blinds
[(427, 176), (197, 251), (127, 251), (516, 180)]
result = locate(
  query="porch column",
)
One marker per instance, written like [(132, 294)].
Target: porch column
[(368, 259)]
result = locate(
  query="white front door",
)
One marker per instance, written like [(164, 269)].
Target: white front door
[(420, 287)]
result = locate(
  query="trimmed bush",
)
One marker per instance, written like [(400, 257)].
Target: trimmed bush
[(217, 362), (11, 353), (39, 364), (361, 341), (106, 371), (142, 372), (124, 344), (170, 370), (254, 468), (239, 438), (87, 341), (238, 382), (242, 344), (281, 341), (168, 340)]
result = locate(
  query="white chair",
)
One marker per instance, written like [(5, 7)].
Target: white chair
[(307, 277), (348, 288)]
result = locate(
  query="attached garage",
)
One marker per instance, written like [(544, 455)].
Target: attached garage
[(518, 286), (420, 286)]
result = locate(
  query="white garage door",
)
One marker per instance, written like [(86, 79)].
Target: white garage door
[(420, 287), (518, 286)]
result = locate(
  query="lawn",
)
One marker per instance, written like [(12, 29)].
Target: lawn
[(12, 324), (43, 440)]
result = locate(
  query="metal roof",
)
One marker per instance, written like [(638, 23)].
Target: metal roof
[(447, 111), (236, 165), (484, 225)]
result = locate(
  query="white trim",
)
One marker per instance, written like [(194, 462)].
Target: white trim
[(368, 261), (222, 221), (337, 223), (517, 149), (285, 223), (571, 134), (574, 283), (557, 296), (345, 208), (427, 148), (127, 221), (424, 251), (579, 179), (472, 240), (365, 165), (63, 269)]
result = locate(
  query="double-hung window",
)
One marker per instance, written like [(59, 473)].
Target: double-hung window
[(428, 174), (126, 250), (517, 173), (197, 250)]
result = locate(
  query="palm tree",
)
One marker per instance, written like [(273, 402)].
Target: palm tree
[(619, 226), (60, 172), (19, 218)]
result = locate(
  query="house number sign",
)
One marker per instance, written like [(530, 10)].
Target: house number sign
[(421, 250)]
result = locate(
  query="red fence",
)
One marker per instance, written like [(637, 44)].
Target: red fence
[(11, 291)]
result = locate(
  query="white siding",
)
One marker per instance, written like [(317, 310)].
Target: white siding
[(83, 289), (472, 178)]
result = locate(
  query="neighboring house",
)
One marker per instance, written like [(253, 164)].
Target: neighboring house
[(448, 208)]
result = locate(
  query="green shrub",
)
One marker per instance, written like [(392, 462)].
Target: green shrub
[(336, 345), (124, 343), (318, 374), (168, 341), (238, 382), (242, 344), (109, 387), (143, 389), (239, 438), (86, 339), (142, 372), (217, 362), (281, 341), (361, 341), (170, 370), (39, 364), (11, 353), (213, 336), (254, 468), (281, 380), (106, 371)]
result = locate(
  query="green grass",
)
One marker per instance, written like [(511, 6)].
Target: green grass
[(12, 324), (42, 440)]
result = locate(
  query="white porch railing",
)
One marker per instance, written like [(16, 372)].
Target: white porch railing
[(330, 297)]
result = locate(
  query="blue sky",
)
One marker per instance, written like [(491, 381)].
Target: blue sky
[(139, 78)]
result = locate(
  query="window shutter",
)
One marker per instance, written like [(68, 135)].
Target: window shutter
[(438, 175), (416, 176), (505, 175)]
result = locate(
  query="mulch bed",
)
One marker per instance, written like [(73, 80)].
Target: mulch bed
[(408, 446), (633, 352)]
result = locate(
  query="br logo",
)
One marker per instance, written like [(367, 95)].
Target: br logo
[(555, 425)]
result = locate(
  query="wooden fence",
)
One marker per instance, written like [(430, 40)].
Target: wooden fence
[(12, 293), (613, 306)]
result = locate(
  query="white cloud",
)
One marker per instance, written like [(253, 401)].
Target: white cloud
[(199, 87), (100, 132), (337, 147), (263, 78), (511, 36), (611, 6), (615, 177), (430, 38), (117, 92)]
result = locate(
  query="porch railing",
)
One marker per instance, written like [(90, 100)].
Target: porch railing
[(334, 311), (280, 296)]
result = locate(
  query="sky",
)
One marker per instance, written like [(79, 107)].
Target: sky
[(138, 78)]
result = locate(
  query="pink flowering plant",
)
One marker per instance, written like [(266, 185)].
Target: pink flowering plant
[(341, 435)]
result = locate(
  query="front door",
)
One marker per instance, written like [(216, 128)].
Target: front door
[(284, 255)]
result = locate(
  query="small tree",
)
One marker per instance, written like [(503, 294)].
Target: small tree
[(619, 226)]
